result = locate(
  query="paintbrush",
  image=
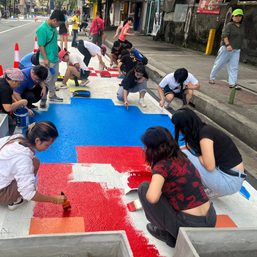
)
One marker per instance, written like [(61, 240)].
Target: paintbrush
[(66, 205)]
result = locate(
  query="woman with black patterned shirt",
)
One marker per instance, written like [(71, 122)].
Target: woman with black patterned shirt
[(175, 197)]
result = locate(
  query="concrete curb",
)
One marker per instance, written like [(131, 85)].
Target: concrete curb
[(236, 124)]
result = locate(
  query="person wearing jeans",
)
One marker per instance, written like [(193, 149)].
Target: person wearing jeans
[(75, 27), (229, 52)]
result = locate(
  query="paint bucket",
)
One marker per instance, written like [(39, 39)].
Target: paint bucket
[(22, 117)]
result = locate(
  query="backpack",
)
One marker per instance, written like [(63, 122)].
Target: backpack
[(35, 56)]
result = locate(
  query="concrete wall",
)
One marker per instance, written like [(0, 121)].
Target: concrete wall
[(200, 25)]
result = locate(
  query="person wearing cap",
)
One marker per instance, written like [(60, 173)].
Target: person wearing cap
[(32, 87), (75, 27), (76, 68), (178, 84), (89, 49), (11, 80), (229, 52)]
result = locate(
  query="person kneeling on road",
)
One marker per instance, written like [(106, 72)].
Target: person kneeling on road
[(212, 152), (11, 80), (76, 68), (178, 84), (135, 81), (175, 196), (32, 87), (17, 179)]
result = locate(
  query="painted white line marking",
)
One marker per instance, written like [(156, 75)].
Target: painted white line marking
[(2, 32)]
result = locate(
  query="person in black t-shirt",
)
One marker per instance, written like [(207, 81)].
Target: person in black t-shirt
[(135, 81), (115, 53), (212, 152), (175, 196), (8, 83), (126, 63)]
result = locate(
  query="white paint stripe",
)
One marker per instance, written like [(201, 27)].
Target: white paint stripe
[(2, 32)]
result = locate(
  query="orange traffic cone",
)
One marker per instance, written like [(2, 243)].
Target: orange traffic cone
[(16, 56), (1, 70), (35, 45)]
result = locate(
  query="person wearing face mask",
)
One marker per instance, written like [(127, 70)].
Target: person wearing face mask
[(229, 52)]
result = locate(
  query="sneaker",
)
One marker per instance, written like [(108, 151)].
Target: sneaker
[(42, 104), (161, 235), (19, 202), (235, 87), (33, 106), (63, 86), (211, 81), (142, 102), (84, 83), (55, 98), (166, 105)]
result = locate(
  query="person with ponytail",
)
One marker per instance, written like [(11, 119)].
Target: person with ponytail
[(175, 197), (19, 165)]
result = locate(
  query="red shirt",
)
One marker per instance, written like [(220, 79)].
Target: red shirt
[(97, 24), (182, 186)]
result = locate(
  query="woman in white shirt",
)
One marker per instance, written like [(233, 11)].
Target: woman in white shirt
[(19, 165)]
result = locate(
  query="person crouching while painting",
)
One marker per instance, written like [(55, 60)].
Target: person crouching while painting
[(175, 196), (19, 165)]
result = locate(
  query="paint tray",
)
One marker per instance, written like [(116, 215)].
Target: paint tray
[(105, 74), (81, 93), (132, 180)]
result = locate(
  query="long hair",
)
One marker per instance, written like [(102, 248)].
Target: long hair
[(160, 145), (189, 124)]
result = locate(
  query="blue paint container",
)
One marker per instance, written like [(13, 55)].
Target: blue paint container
[(22, 117)]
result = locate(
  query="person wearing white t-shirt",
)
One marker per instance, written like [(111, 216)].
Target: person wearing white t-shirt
[(19, 165), (89, 50), (179, 84), (76, 68)]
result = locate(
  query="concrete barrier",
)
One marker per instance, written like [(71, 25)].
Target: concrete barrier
[(4, 129), (98, 244), (213, 242)]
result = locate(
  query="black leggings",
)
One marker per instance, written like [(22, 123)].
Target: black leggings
[(83, 50)]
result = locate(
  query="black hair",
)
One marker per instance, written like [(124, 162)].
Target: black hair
[(189, 124), (160, 145), (64, 12), (181, 75), (44, 130), (116, 43), (140, 68), (124, 52), (58, 15), (127, 45), (40, 71)]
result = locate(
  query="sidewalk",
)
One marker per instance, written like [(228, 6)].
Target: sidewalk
[(239, 119)]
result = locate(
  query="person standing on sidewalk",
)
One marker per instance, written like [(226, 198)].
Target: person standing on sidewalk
[(212, 152), (97, 29), (229, 52), (75, 27), (175, 196), (47, 41), (179, 84)]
